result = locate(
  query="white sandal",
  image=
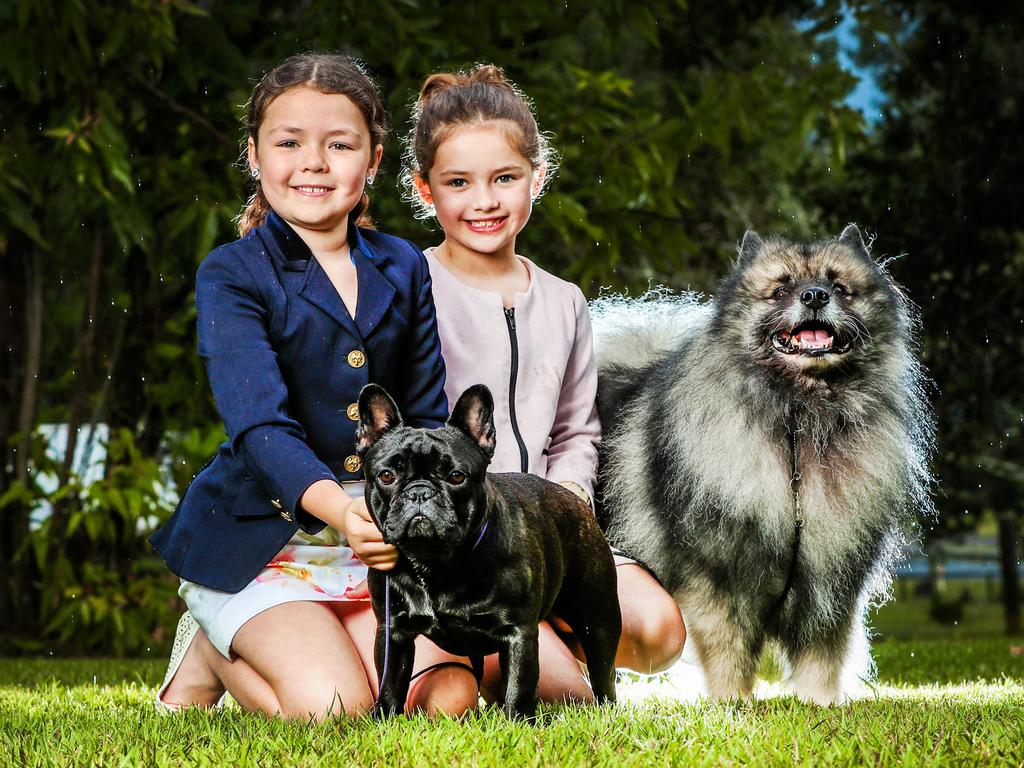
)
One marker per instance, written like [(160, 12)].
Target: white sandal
[(183, 637)]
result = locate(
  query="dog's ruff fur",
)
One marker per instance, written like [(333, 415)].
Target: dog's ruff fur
[(698, 407)]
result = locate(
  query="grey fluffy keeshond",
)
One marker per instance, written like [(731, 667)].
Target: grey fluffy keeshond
[(765, 452)]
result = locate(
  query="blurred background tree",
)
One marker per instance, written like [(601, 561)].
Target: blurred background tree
[(940, 179), (679, 125)]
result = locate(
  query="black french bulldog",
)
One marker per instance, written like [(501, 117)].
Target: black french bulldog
[(483, 557)]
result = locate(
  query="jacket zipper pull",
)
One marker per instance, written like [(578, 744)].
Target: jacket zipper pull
[(510, 313)]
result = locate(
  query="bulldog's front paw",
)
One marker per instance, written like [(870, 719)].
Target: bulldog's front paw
[(385, 709), (520, 711)]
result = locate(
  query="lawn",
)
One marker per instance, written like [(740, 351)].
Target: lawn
[(945, 695), (937, 701)]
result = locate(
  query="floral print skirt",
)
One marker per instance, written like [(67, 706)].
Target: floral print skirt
[(319, 567)]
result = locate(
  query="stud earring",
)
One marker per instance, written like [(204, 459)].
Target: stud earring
[(369, 181), (255, 173)]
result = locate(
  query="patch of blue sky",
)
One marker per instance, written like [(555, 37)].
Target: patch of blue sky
[(867, 96)]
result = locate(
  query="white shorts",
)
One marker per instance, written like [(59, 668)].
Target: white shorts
[(320, 568)]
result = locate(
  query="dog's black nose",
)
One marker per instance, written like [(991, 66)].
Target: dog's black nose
[(815, 298), (420, 493)]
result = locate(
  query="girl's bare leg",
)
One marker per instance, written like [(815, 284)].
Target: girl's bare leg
[(195, 684), (304, 661), (450, 689), (277, 672), (198, 680), (653, 633), (314, 671)]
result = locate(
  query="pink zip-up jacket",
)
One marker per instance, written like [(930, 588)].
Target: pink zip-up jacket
[(538, 362)]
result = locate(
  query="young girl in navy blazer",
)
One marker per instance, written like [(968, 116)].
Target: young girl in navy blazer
[(272, 539)]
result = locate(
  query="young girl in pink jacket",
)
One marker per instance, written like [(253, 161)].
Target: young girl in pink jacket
[(477, 162)]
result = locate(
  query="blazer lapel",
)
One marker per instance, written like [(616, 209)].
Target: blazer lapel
[(320, 291), (375, 291)]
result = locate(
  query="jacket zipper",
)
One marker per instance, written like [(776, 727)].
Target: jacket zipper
[(510, 321)]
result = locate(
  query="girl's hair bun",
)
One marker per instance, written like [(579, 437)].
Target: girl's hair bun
[(489, 74), (436, 84), (482, 74)]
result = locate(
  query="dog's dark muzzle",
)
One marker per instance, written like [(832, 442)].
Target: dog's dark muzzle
[(419, 514), (421, 527)]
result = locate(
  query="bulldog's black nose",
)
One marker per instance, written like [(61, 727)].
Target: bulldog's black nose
[(815, 298), (420, 493)]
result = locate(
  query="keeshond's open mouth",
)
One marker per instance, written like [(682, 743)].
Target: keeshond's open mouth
[(812, 338)]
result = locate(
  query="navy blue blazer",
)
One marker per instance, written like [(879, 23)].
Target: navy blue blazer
[(286, 362)]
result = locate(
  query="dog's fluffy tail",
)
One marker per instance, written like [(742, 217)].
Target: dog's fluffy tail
[(634, 332)]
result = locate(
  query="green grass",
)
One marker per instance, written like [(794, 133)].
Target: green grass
[(936, 702)]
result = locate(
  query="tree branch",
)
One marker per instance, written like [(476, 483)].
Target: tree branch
[(184, 111)]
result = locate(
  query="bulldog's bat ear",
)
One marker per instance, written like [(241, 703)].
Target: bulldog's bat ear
[(851, 238), (377, 414), (750, 247), (474, 415)]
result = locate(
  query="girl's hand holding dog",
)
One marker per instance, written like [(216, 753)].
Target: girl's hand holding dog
[(325, 499), (366, 539)]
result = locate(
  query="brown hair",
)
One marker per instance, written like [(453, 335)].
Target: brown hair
[(450, 99), (325, 72)]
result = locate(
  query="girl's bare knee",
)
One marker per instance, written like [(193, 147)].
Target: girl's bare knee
[(448, 690), (661, 635), (672, 634)]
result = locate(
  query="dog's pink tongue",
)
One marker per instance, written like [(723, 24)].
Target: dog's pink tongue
[(811, 336)]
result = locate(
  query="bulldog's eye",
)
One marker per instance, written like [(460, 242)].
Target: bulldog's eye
[(840, 290), (457, 478), (386, 477), (781, 291)]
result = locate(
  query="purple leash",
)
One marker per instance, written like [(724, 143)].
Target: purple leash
[(483, 530), (387, 634), (387, 613)]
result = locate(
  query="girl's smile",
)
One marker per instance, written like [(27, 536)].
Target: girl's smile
[(487, 225), (313, 191)]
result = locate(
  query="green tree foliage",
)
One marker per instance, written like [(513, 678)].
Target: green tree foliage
[(679, 124), (115, 179)]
